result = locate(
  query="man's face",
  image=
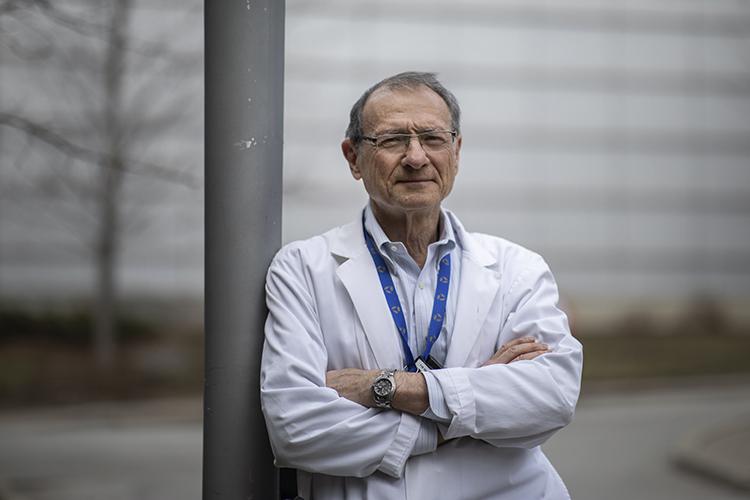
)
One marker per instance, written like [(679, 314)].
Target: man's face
[(413, 180)]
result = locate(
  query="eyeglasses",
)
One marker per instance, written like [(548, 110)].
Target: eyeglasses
[(432, 141)]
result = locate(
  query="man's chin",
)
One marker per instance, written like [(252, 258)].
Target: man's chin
[(420, 189), (411, 203)]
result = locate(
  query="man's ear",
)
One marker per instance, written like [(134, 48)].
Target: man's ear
[(459, 141), (350, 153)]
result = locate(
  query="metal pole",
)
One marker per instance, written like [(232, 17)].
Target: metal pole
[(244, 67)]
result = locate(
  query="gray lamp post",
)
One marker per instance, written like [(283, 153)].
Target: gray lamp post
[(244, 64)]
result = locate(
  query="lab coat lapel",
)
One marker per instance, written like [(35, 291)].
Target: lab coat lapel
[(479, 284), (359, 278)]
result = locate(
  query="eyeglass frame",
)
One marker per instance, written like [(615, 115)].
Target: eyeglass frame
[(372, 140)]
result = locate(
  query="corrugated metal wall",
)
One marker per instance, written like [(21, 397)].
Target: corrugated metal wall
[(613, 138)]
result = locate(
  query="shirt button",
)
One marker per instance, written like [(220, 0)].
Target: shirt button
[(421, 286), (394, 248)]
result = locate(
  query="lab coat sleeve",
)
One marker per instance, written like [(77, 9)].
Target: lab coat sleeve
[(523, 403), (309, 426)]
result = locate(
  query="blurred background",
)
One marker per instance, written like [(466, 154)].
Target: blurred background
[(612, 138)]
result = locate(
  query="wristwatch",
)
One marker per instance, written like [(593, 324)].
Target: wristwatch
[(383, 388)]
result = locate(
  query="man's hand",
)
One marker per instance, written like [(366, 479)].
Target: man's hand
[(517, 350)]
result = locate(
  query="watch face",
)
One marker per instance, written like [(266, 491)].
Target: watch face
[(382, 387)]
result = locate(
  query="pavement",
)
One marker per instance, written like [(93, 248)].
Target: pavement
[(721, 452), (689, 440), (648, 442), (718, 450), (149, 450)]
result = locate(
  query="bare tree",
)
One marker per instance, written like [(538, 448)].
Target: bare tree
[(107, 66), (108, 233)]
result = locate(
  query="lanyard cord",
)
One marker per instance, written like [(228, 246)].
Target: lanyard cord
[(391, 296)]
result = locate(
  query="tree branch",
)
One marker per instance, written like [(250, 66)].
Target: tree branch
[(62, 144)]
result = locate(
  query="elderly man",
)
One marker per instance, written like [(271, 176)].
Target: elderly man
[(405, 357)]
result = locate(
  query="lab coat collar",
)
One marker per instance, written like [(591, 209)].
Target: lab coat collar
[(348, 241), (479, 284)]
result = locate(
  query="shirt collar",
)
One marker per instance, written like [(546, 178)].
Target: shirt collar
[(446, 242)]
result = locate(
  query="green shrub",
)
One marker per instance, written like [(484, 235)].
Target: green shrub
[(70, 328)]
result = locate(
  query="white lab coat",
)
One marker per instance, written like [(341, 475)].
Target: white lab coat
[(327, 311)]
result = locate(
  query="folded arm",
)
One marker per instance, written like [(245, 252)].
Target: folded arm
[(412, 394), (520, 396), (310, 426), (518, 404)]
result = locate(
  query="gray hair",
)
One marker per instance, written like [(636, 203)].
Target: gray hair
[(406, 80)]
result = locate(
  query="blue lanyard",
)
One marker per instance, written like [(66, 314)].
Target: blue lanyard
[(391, 296)]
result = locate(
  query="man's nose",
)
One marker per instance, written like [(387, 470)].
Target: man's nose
[(415, 156)]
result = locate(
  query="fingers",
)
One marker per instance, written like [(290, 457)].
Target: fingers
[(529, 355), (522, 340), (524, 348), (513, 352)]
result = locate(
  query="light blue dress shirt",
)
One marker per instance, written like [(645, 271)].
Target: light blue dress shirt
[(416, 292)]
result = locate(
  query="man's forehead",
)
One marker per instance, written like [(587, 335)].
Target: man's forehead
[(421, 105)]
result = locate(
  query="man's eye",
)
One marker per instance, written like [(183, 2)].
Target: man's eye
[(390, 142), (433, 139)]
